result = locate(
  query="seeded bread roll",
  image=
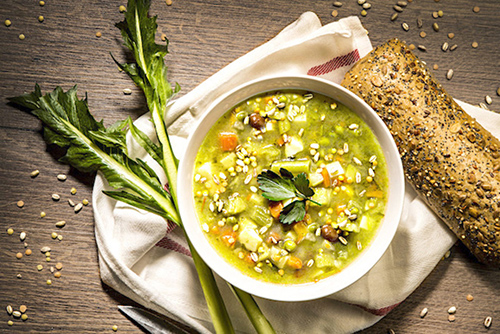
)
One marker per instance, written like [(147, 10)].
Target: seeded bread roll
[(449, 158)]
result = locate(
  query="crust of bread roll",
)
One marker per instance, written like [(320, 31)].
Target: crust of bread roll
[(449, 158)]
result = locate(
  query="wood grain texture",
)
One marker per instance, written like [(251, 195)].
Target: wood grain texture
[(204, 37)]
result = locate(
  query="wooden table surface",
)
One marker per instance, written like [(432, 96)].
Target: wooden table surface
[(204, 37)]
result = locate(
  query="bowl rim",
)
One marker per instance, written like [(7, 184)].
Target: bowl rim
[(354, 270)]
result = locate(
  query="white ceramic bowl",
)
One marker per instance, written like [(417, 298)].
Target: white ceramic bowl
[(306, 291)]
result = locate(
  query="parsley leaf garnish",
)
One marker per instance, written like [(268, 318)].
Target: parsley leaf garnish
[(286, 186)]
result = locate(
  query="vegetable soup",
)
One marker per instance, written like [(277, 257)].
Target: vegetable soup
[(290, 186)]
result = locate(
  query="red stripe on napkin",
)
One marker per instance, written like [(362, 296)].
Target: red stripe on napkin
[(379, 311), (335, 63), (170, 244)]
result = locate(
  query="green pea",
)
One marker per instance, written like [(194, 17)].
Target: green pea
[(312, 228), (232, 220), (290, 245), (241, 116)]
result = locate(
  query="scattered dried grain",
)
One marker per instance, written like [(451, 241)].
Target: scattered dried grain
[(20, 204), (9, 309), (422, 34), (475, 45), (23, 308), (337, 4), (85, 202), (451, 317), (24, 317), (449, 74), (19, 255), (59, 265), (49, 282), (476, 9), (452, 310), (488, 99), (453, 47), (16, 314), (78, 207), (41, 19), (435, 66), (53, 235), (28, 252), (420, 24), (412, 46), (35, 173), (127, 91), (435, 26), (394, 16), (122, 9), (10, 231), (45, 249), (39, 267), (487, 322), (61, 223), (335, 13), (41, 3), (42, 214), (62, 177), (405, 26), (364, 13), (57, 274), (424, 312)]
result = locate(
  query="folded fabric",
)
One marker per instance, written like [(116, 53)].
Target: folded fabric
[(147, 259)]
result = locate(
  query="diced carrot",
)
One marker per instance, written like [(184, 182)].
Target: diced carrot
[(248, 258), (326, 177), (228, 141), (280, 141), (341, 208), (229, 238), (294, 262), (301, 229), (275, 208), (375, 193)]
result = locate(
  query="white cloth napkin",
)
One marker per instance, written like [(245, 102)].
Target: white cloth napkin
[(146, 259)]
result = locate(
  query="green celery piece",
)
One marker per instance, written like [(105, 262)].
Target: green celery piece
[(150, 74), (89, 146)]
